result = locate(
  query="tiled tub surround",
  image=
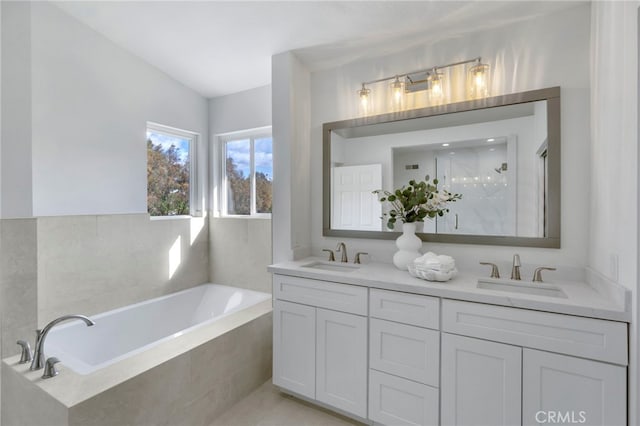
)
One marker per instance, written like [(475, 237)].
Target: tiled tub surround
[(188, 379), (380, 346), (96, 263)]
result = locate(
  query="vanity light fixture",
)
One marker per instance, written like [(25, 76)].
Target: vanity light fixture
[(433, 81)]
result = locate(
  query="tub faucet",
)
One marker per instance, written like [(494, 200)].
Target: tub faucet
[(515, 270), (342, 248), (38, 353)]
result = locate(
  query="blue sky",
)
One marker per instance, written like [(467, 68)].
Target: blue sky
[(239, 151), (166, 141)]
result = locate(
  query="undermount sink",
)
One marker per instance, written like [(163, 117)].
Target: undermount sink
[(527, 287), (332, 266)]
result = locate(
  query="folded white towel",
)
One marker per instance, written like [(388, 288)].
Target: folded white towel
[(432, 261), (446, 262)]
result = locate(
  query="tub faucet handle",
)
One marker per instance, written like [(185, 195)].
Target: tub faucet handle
[(26, 355), (332, 257), (494, 269), (50, 368)]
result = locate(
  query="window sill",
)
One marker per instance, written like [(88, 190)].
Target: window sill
[(242, 216), (176, 217)]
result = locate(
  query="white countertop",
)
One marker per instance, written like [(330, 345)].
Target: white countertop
[(582, 299)]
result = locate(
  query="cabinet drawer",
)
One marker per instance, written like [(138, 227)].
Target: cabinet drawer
[(396, 401), (404, 350), (323, 294), (584, 337), (423, 311)]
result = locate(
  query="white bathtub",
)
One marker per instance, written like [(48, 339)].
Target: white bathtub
[(123, 332)]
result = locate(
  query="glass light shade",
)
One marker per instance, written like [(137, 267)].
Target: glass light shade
[(398, 90), (478, 80), (364, 98), (436, 87)]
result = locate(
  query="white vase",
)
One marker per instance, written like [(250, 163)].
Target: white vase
[(408, 245)]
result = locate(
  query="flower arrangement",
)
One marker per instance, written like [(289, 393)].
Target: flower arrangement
[(415, 202)]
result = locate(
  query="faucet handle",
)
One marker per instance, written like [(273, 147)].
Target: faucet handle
[(537, 274), (50, 368), (332, 257), (494, 269), (357, 258), (25, 356)]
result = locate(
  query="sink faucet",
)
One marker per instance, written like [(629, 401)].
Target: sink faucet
[(38, 354), (342, 248), (515, 270)]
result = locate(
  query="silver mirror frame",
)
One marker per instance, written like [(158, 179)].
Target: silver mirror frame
[(552, 238)]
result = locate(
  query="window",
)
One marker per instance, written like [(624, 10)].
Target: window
[(170, 171), (248, 174)]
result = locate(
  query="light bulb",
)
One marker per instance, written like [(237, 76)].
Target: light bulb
[(397, 89), (364, 97), (436, 81), (478, 81)]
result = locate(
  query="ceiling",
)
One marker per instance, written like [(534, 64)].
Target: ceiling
[(222, 47)]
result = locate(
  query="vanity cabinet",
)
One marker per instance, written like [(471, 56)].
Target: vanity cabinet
[(396, 358), (320, 342), (514, 378)]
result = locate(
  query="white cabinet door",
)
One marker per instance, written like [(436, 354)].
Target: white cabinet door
[(294, 347), (400, 402), (563, 389), (481, 382), (341, 354)]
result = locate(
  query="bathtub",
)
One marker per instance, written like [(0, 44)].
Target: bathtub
[(180, 359), (121, 333)]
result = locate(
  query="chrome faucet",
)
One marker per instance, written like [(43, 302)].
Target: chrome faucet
[(38, 353), (342, 248), (515, 270)]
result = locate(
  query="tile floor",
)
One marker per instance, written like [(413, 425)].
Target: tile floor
[(267, 406)]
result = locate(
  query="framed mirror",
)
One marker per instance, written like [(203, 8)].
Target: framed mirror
[(501, 153)]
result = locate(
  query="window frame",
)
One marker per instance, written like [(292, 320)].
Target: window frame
[(223, 139), (195, 205)]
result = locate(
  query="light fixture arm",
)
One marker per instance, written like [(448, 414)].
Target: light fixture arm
[(425, 70)]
